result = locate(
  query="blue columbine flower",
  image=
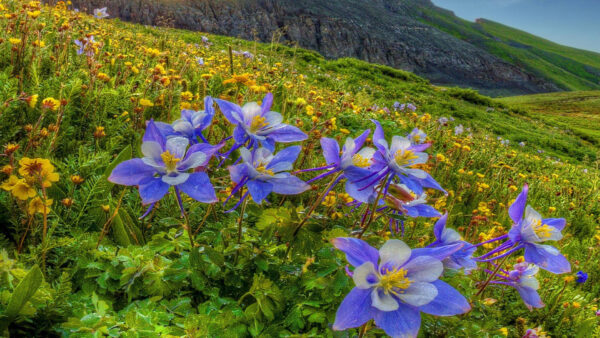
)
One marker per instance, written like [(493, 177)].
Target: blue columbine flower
[(581, 277), (100, 13), (258, 125), (262, 173), (394, 161), (530, 230), (394, 285), (85, 46), (462, 258), (522, 278), (166, 163), (191, 124)]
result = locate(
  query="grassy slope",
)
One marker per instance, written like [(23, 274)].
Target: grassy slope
[(569, 68), (578, 112), (148, 288)]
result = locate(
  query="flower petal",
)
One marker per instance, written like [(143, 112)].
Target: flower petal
[(530, 297), (153, 134), (393, 254), (354, 311), (518, 207), (153, 190), (198, 187), (287, 134), (131, 172), (424, 269), (440, 253), (289, 185), (231, 111), (365, 276), (177, 146), (267, 103), (448, 302), (404, 322), (259, 190), (383, 301), (357, 251), (547, 257), (419, 293), (284, 159), (331, 150), (175, 178)]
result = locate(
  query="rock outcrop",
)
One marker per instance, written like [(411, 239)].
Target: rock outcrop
[(380, 31)]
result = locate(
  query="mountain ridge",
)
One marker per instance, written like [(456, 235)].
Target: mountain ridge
[(398, 33)]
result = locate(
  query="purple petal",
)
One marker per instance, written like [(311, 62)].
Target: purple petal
[(355, 310), (547, 258), (165, 128), (360, 140), (331, 150), (267, 102), (131, 172), (198, 187), (357, 251), (518, 207), (558, 223), (448, 302), (404, 322), (153, 134), (288, 134), (440, 253), (239, 134), (439, 226), (231, 111), (378, 136), (238, 172), (287, 155), (530, 297), (290, 185), (259, 190), (153, 190)]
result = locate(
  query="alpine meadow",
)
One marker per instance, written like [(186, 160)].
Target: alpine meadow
[(159, 182)]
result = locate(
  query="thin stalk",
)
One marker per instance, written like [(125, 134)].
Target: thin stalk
[(372, 213), (487, 282)]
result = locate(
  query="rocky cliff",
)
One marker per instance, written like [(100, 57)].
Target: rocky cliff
[(379, 31)]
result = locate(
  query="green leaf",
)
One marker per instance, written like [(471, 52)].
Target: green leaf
[(24, 291)]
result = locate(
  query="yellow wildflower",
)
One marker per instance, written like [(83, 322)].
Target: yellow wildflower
[(36, 205)]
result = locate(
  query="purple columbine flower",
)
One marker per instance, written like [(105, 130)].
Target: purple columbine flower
[(258, 125), (191, 124), (462, 258), (85, 46), (200, 61), (459, 129), (394, 161), (394, 285), (417, 136), (100, 13), (401, 201), (530, 230), (262, 173), (522, 278), (166, 163)]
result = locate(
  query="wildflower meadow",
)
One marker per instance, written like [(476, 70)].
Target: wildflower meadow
[(160, 183)]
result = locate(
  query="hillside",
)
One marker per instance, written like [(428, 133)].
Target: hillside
[(575, 112), (569, 68), (90, 249)]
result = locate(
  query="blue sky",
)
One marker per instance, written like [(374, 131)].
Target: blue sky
[(573, 23)]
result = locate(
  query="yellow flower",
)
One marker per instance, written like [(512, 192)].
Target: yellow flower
[(344, 131), (36, 205), (22, 190), (37, 169), (50, 103), (489, 301), (504, 331), (33, 14), (9, 184), (32, 100), (187, 96), (76, 179), (551, 209), (14, 41), (568, 279), (103, 77), (146, 103), (7, 169)]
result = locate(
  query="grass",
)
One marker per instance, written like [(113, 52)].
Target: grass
[(88, 266)]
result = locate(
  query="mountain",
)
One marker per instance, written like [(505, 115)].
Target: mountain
[(412, 35)]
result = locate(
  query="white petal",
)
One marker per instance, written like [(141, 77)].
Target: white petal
[(399, 143), (450, 235), (529, 281), (273, 118), (419, 294), (382, 301), (531, 214), (394, 252), (249, 110), (424, 269), (246, 155), (361, 275), (195, 160), (183, 127), (177, 146), (151, 150), (175, 179)]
